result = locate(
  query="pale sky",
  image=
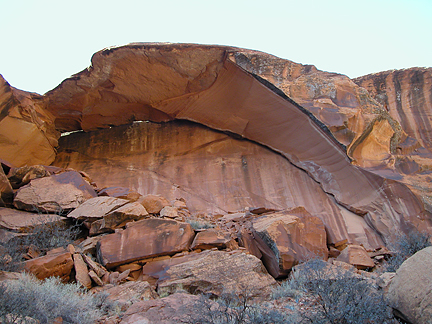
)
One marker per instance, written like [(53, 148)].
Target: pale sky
[(45, 41)]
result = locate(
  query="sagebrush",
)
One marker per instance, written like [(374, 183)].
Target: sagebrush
[(42, 237), (29, 299), (330, 294), (404, 246), (235, 308)]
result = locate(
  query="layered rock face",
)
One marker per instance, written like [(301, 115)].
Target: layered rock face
[(407, 96), (204, 84), (36, 139)]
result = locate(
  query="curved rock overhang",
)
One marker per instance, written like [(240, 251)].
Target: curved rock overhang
[(202, 84)]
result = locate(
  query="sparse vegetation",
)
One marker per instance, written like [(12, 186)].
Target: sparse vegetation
[(41, 238), (29, 300), (405, 246), (231, 308), (198, 224), (330, 294)]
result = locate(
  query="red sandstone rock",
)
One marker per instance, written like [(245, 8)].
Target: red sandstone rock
[(96, 208), (120, 192), (211, 238), (180, 90), (153, 203), (293, 236), (176, 308), (214, 272), (54, 265), (130, 292), (94, 266), (36, 139), (81, 271), (22, 176), (55, 194), (357, 256), (143, 239), (6, 191), (21, 221)]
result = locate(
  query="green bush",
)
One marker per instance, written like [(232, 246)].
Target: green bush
[(330, 294), (27, 299), (404, 246)]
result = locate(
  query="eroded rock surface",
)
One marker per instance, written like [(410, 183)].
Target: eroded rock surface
[(180, 90), (410, 289), (53, 265), (143, 239), (215, 272), (21, 221), (37, 137), (293, 236), (58, 193)]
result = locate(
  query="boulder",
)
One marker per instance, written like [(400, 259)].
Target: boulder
[(130, 292), (154, 203), (169, 212), (6, 191), (98, 269), (58, 193), (81, 271), (215, 272), (293, 236), (410, 289), (173, 309), (118, 218), (19, 177), (120, 192), (21, 221), (144, 238), (53, 265), (213, 238), (357, 256), (97, 207)]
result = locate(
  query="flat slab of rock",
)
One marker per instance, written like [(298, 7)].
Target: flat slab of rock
[(55, 265), (21, 221), (293, 236), (81, 271), (211, 238), (55, 194), (215, 272), (96, 208), (120, 192), (130, 292), (410, 289), (118, 218), (357, 256), (176, 308), (143, 239)]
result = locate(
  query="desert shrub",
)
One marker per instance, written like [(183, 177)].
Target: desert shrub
[(200, 224), (27, 299), (42, 237), (404, 246), (330, 294), (231, 308)]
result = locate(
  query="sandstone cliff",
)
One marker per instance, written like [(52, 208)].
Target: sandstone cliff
[(261, 148)]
